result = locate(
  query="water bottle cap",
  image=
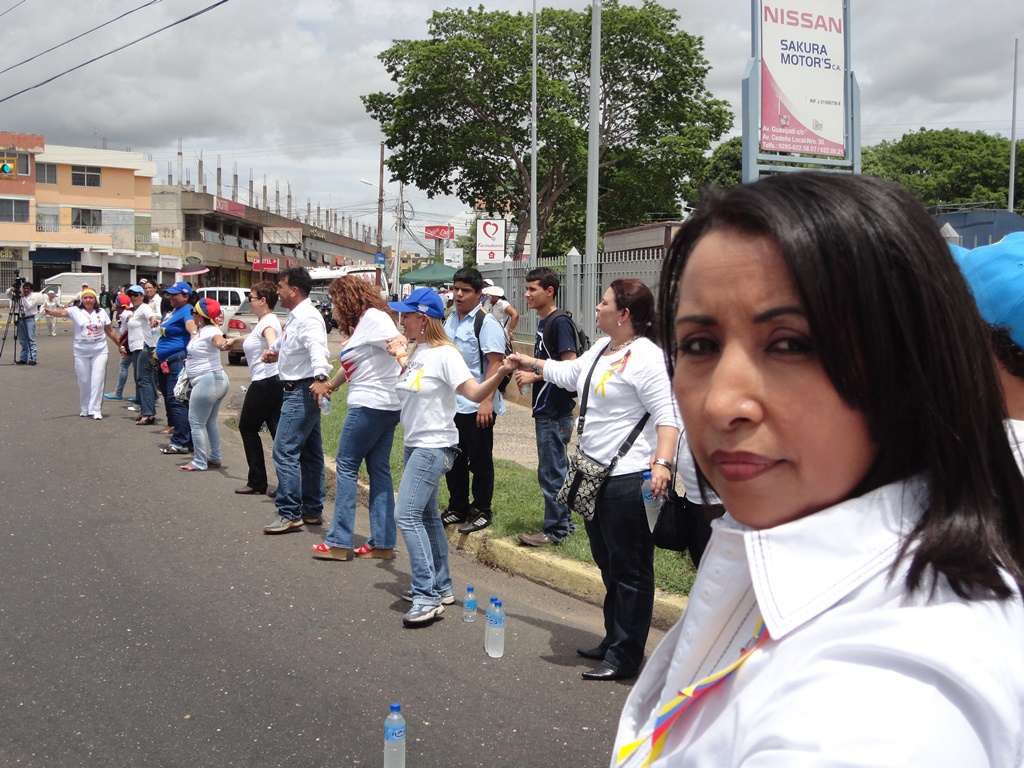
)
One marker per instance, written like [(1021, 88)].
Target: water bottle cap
[(469, 588), (497, 603), (493, 599), (396, 707), (647, 476)]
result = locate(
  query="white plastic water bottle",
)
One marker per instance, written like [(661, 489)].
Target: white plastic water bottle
[(325, 405), (496, 631), (244, 389), (394, 738), (469, 606), (652, 505), (488, 615)]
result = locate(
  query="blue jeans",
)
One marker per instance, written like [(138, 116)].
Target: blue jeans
[(177, 411), (420, 522), (208, 392), (367, 434), (122, 375), (553, 437), (299, 455), (145, 381), (26, 330)]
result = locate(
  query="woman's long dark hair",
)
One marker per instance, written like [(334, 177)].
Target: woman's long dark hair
[(901, 340), (635, 296)]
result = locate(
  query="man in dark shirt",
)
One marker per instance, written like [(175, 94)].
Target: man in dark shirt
[(552, 406)]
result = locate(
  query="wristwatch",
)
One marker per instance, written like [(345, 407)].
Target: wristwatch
[(666, 463), (536, 368), (320, 377)]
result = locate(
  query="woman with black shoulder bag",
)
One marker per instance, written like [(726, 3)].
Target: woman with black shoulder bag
[(628, 424)]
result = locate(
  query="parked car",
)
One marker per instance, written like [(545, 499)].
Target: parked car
[(243, 321)]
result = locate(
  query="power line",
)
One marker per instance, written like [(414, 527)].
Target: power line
[(77, 37), (11, 8), (108, 53)]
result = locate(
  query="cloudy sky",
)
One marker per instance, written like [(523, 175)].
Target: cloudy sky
[(274, 86)]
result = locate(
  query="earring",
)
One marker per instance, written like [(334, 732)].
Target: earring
[(619, 323)]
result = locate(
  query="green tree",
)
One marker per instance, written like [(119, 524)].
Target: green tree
[(947, 166), (459, 121), (725, 166)]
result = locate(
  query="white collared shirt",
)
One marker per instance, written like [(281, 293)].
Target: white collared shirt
[(855, 672), (302, 345)]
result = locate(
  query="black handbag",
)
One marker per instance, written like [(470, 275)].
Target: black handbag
[(585, 477), (683, 524)]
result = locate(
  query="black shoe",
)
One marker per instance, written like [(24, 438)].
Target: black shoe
[(451, 517), (31, 362), (21, 362), (605, 671), (596, 653), (478, 523)]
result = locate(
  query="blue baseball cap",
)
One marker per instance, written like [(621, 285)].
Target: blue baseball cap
[(422, 300), (180, 287), (995, 274), (135, 289)]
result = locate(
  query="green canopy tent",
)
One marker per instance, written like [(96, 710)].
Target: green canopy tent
[(432, 274)]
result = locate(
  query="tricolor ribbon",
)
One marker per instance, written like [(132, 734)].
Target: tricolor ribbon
[(633, 754)]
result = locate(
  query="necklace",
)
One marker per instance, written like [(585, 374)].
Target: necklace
[(626, 343)]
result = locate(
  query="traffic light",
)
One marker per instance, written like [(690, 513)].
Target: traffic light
[(8, 167)]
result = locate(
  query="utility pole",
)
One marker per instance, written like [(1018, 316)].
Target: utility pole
[(380, 203)]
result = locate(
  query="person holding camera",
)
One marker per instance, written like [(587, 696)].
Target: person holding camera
[(29, 302)]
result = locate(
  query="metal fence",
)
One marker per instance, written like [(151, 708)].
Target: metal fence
[(581, 284)]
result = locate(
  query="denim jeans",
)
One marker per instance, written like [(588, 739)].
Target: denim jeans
[(208, 392), (145, 381), (367, 434), (26, 330), (623, 548), (122, 374), (553, 437), (177, 411), (420, 523), (262, 405), (299, 456)]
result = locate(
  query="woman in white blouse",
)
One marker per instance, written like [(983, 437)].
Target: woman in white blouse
[(262, 404), (92, 328), (627, 380), (209, 385), (860, 602)]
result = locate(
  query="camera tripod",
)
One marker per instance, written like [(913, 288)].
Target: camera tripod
[(13, 318)]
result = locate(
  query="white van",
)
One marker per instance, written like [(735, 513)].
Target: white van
[(230, 300)]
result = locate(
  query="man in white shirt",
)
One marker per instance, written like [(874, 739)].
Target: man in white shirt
[(302, 358), (28, 302), (483, 348)]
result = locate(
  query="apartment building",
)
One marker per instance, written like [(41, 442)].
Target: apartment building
[(77, 209)]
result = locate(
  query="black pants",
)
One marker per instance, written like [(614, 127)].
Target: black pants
[(476, 455), (623, 548), (262, 405)]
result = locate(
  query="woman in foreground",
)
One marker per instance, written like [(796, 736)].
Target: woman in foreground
[(837, 392)]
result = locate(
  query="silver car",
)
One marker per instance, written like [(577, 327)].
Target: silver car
[(243, 321)]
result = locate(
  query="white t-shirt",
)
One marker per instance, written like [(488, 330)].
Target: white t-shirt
[(625, 385), (854, 672), (201, 356), (427, 391), (255, 344), (139, 332), (497, 310), (372, 373), (89, 328)]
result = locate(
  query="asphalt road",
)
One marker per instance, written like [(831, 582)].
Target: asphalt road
[(147, 621)]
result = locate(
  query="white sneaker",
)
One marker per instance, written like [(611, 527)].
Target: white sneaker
[(83, 414), (97, 416)]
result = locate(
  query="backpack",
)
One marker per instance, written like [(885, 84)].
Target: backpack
[(582, 340), (478, 323)]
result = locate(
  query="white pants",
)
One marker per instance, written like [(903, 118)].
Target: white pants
[(91, 370), (51, 325)]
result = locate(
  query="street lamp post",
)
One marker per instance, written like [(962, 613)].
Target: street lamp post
[(399, 227)]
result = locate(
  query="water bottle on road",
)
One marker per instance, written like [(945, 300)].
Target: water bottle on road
[(496, 631), (469, 606), (488, 615), (652, 505), (394, 738)]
